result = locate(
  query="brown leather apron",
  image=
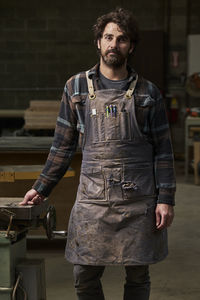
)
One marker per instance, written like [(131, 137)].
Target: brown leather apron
[(113, 219)]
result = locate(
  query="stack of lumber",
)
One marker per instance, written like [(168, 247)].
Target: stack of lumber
[(41, 114)]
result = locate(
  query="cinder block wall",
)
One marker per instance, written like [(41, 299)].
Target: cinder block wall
[(42, 43)]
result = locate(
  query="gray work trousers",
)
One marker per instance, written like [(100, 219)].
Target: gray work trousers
[(88, 285)]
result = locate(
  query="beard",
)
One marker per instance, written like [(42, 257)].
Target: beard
[(115, 59)]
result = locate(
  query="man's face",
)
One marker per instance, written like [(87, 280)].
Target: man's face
[(114, 46)]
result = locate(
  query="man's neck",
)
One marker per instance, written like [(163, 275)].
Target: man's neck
[(113, 73)]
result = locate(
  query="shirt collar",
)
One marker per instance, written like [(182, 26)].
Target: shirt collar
[(94, 73)]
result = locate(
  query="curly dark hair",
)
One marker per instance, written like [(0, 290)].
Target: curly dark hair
[(123, 18)]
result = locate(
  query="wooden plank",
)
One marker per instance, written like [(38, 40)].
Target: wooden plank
[(40, 114), (39, 126), (7, 176), (39, 105), (41, 119), (24, 172), (11, 113)]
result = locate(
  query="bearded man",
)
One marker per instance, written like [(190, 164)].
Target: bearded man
[(126, 193)]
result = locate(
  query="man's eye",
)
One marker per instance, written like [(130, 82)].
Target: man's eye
[(108, 38)]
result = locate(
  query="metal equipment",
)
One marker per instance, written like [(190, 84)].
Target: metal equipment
[(15, 221)]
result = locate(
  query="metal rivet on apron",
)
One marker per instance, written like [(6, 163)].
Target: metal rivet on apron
[(92, 97), (128, 96)]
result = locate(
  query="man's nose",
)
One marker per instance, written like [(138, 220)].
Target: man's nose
[(113, 43)]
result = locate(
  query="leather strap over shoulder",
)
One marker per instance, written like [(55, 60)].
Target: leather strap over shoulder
[(92, 95), (131, 89)]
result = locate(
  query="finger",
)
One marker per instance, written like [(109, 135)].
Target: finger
[(36, 200), (158, 219), (33, 202), (25, 200), (163, 222)]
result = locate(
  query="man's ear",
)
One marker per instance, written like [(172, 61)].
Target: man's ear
[(98, 44)]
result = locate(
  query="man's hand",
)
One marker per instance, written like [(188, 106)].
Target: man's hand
[(164, 215), (32, 197)]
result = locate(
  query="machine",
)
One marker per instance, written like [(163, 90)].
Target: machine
[(22, 278)]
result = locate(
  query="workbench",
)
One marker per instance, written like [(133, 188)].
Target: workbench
[(22, 159)]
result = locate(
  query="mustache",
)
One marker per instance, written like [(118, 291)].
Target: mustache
[(112, 51)]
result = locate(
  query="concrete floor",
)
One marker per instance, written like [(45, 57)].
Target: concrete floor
[(176, 278)]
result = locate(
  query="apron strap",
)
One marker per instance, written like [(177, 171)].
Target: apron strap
[(92, 95), (131, 89)]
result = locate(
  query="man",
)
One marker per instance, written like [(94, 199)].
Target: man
[(126, 193)]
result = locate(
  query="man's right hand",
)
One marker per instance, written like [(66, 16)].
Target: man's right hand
[(32, 197)]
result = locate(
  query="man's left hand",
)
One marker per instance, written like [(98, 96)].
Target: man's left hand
[(164, 215)]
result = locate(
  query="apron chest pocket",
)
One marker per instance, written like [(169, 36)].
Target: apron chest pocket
[(92, 186), (110, 128), (138, 180), (125, 129)]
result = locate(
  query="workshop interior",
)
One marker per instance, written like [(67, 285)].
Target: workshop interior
[(44, 43)]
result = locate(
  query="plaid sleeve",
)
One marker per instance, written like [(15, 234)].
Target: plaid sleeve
[(164, 162), (63, 146)]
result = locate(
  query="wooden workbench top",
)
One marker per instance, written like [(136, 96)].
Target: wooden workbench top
[(20, 172)]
